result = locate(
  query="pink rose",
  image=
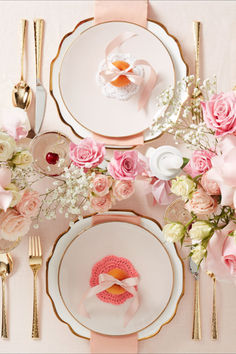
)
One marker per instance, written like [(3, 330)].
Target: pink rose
[(29, 204), (220, 113), (209, 185), (221, 254), (199, 163), (87, 154), (101, 185), (13, 225), (101, 204), (15, 122), (201, 203), (123, 189), (126, 165)]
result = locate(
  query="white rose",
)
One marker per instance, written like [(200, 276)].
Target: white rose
[(16, 195), (7, 146), (165, 162), (200, 230), (23, 159), (183, 186), (174, 232), (198, 253)]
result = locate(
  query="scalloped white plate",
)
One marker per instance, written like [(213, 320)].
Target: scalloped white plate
[(159, 266), (72, 81)]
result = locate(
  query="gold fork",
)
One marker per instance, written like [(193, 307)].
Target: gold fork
[(35, 262)]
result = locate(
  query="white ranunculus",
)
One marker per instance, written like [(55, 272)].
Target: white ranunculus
[(7, 146), (165, 162), (198, 254), (200, 230), (174, 231), (183, 186), (23, 159), (16, 195)]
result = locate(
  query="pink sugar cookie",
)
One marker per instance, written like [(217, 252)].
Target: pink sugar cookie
[(118, 267)]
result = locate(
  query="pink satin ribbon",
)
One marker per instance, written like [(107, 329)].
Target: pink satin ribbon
[(105, 282), (5, 196), (223, 170), (112, 72)]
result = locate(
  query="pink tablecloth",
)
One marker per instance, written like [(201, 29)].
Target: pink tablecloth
[(218, 57)]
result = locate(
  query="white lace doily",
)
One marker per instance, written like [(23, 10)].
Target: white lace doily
[(121, 93)]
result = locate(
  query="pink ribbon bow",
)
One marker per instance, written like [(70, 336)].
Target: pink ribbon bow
[(223, 170), (105, 282), (112, 72), (5, 196)]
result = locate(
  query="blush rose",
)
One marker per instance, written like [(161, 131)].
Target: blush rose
[(87, 154), (123, 189), (126, 165), (101, 185), (199, 163), (13, 225), (29, 204), (201, 203), (101, 204)]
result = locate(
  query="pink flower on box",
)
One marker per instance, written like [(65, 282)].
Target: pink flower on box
[(219, 113), (201, 203), (123, 189), (199, 163), (209, 185), (87, 154), (126, 165), (221, 254), (29, 204), (101, 185), (101, 204), (13, 225)]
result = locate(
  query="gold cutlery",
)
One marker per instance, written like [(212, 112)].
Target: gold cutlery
[(40, 90), (214, 332), (6, 267), (196, 334), (35, 262), (197, 92), (22, 93)]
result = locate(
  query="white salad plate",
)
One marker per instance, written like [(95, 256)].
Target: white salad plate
[(157, 262), (79, 99)]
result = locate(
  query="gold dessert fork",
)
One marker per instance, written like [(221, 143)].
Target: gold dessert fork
[(35, 262)]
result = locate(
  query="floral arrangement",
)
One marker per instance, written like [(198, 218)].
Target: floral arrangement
[(207, 124), (91, 181), (19, 204)]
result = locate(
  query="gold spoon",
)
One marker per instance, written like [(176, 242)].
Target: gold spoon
[(214, 333), (22, 94), (6, 267)]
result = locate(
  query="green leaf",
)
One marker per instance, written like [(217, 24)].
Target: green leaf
[(185, 161)]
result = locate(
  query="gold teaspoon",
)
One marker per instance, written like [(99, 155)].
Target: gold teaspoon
[(214, 333), (22, 93), (6, 266)]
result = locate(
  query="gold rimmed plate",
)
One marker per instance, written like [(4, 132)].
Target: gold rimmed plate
[(73, 85), (160, 269)]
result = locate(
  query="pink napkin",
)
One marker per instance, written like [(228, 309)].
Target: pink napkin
[(134, 11), (114, 344)]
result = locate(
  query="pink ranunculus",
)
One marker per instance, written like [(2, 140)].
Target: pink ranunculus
[(101, 204), (219, 113), (15, 122), (221, 255), (29, 204), (101, 184), (199, 163), (210, 186), (201, 203), (87, 154), (126, 165), (13, 225), (123, 189)]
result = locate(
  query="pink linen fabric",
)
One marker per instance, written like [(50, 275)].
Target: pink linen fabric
[(114, 344), (119, 10)]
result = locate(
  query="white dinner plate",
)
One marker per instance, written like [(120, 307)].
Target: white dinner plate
[(158, 265), (73, 78)]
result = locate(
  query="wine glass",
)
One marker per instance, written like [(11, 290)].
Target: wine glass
[(7, 246), (50, 151), (176, 212)]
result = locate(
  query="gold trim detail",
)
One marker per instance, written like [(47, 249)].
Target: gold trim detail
[(58, 53), (113, 210)]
